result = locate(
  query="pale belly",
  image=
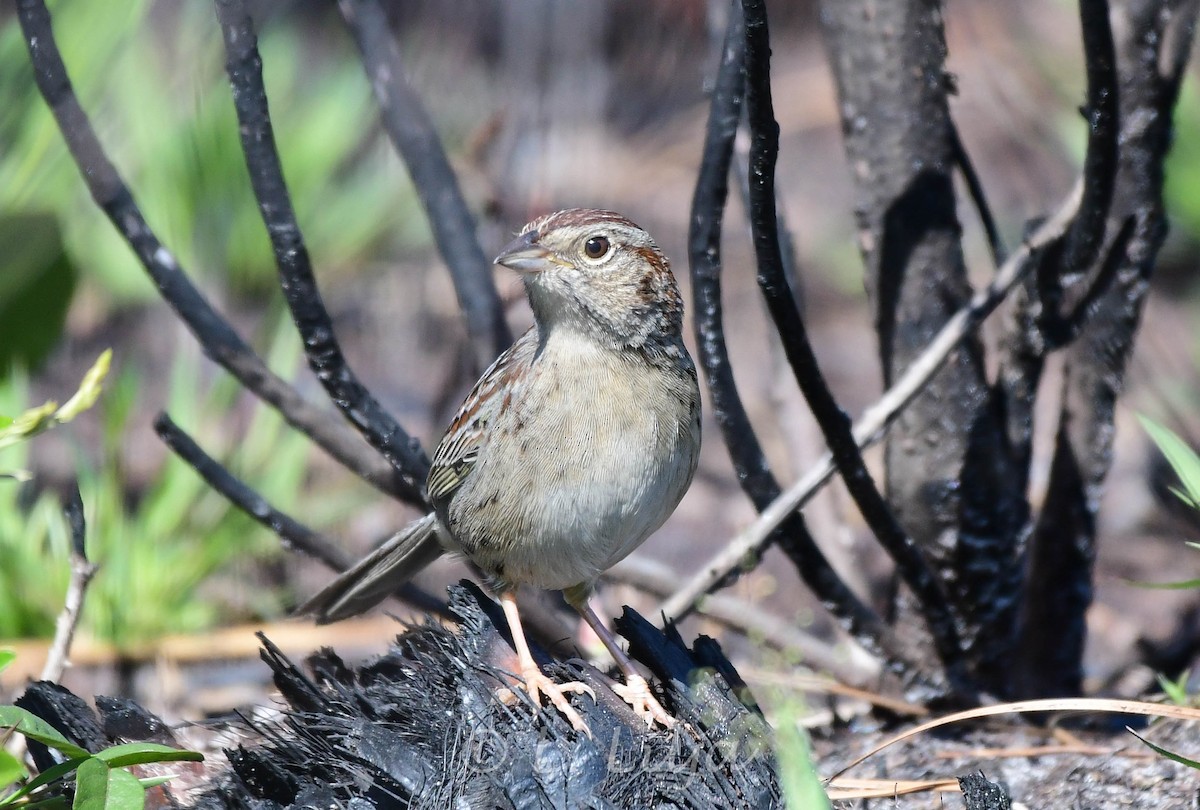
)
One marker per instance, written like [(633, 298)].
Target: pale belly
[(567, 487)]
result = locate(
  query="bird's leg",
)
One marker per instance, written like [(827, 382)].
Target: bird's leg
[(536, 682), (635, 691)]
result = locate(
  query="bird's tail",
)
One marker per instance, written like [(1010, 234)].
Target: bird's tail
[(377, 575)]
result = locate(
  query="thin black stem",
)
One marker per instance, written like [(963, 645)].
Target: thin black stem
[(1086, 235), (415, 139), (292, 533), (745, 451), (295, 535), (978, 197), (834, 423), (218, 339), (296, 279)]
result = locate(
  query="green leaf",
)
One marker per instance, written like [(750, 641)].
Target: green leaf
[(89, 389), (44, 778), (1176, 691), (1179, 455), (35, 728), (1182, 585), (99, 787), (11, 769), (142, 753), (1171, 755), (42, 418), (27, 424), (91, 785), (7, 656)]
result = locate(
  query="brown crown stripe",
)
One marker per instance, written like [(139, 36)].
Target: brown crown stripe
[(577, 217)]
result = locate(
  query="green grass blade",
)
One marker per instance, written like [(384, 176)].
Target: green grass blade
[(1171, 755), (1179, 455)]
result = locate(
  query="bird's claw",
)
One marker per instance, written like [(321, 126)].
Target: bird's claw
[(538, 684), (636, 692)]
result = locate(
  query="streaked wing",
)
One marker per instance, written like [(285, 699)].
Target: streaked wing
[(467, 434)]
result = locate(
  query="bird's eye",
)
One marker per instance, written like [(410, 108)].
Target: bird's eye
[(596, 247)]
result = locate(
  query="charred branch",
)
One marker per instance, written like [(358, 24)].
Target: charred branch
[(415, 139), (296, 279), (948, 475), (749, 461), (293, 534), (1153, 42), (214, 334), (834, 422)]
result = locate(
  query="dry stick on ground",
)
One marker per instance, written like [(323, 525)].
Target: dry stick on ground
[(414, 138), (875, 420), (218, 339), (834, 423), (296, 279), (760, 625), (292, 533), (750, 463), (82, 572)]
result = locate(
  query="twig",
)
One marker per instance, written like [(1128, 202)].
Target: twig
[(296, 279), (82, 572), (875, 419), (834, 423), (978, 197), (751, 620), (1086, 234), (218, 339), (704, 254), (415, 139), (818, 684), (293, 534)]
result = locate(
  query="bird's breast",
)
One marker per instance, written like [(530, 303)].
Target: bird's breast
[(591, 453)]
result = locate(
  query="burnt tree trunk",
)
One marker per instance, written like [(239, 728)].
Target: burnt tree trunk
[(949, 476)]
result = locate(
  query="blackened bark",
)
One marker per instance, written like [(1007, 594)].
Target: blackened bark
[(1153, 41), (948, 475)]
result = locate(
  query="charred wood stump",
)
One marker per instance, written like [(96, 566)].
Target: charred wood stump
[(422, 726)]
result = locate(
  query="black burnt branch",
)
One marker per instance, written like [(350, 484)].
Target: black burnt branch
[(421, 726), (1152, 44), (415, 139), (834, 422), (958, 458), (218, 339), (296, 279), (749, 461)]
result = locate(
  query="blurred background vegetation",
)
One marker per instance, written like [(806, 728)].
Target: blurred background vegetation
[(603, 105), (152, 77)]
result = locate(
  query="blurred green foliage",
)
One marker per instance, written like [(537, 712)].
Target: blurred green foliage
[(160, 549), (1183, 167), (151, 76)]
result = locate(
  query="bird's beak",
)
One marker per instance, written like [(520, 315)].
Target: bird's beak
[(524, 254)]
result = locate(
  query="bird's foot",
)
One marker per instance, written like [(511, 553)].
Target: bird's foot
[(636, 692), (537, 684)]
